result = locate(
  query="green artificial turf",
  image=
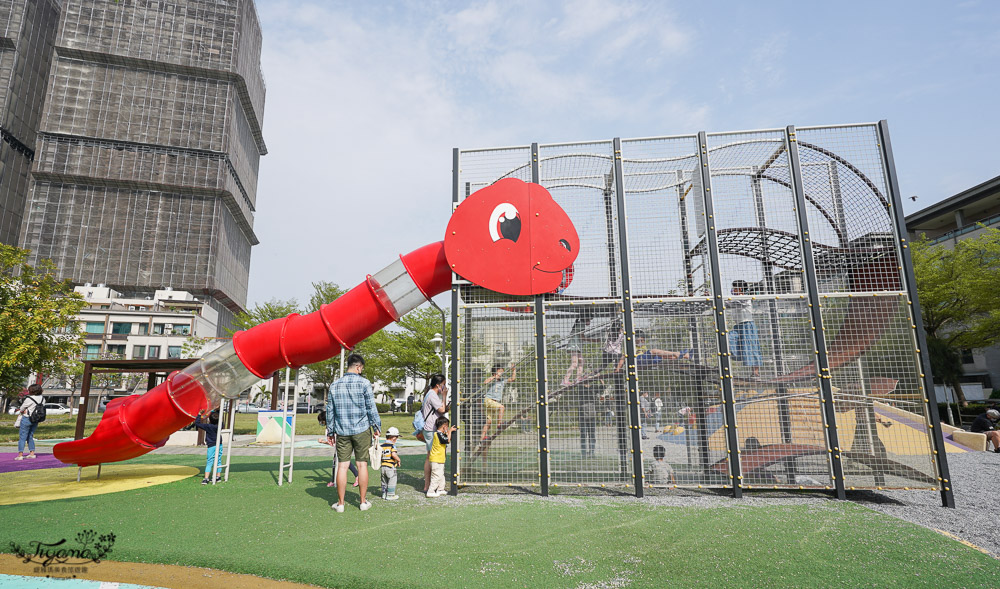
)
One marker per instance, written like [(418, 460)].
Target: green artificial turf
[(250, 525)]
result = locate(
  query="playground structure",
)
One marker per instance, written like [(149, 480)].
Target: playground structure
[(742, 306), (715, 310)]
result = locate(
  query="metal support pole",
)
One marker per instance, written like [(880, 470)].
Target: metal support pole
[(81, 417), (631, 380), (937, 437), (284, 420), (815, 308), (455, 385), (718, 306), (540, 367)]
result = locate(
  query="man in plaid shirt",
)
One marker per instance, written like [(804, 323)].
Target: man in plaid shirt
[(352, 420)]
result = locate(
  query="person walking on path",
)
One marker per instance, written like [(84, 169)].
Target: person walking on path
[(351, 417), (26, 432), (434, 405)]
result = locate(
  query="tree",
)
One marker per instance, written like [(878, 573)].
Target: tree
[(958, 291), (273, 309), (326, 371), (38, 326), (405, 349)]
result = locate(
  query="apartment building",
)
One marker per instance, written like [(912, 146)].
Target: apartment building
[(147, 150), (153, 327)]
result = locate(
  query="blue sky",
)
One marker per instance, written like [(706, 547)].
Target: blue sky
[(365, 101)]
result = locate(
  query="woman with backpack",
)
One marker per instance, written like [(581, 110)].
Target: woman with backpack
[(28, 420)]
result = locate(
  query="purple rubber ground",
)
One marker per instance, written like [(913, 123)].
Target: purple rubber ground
[(8, 464)]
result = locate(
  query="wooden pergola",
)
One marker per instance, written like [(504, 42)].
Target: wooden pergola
[(156, 371)]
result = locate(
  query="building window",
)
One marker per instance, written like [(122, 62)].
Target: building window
[(105, 306), (173, 351), (95, 327), (139, 352), (143, 328), (967, 357), (91, 351), (158, 328), (154, 352), (117, 350), (182, 329), (121, 328)]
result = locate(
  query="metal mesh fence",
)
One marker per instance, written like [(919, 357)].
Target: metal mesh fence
[(589, 422), (636, 382), (496, 407), (882, 416)]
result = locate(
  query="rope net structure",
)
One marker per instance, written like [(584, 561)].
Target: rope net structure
[(739, 317)]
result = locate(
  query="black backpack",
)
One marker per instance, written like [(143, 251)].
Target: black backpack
[(37, 414)]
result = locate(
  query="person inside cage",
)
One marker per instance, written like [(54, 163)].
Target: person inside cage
[(611, 353), (493, 397), (577, 340), (660, 472), (647, 357), (744, 343)]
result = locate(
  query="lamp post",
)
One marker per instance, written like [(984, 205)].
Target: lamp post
[(438, 340)]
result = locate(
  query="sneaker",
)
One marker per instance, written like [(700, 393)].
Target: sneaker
[(331, 484), (338, 507), (31, 456), (204, 481), (366, 505), (431, 494), (19, 458), (218, 479), (393, 497)]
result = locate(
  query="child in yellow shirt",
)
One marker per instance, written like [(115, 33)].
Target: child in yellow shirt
[(437, 456)]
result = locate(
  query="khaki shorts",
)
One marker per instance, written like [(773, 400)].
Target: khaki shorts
[(492, 409), (357, 444)]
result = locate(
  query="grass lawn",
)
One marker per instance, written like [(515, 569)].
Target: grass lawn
[(250, 525), (54, 427), (306, 424)]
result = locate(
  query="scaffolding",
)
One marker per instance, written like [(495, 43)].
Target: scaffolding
[(740, 316)]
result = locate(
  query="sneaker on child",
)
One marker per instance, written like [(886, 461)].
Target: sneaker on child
[(366, 505), (338, 507)]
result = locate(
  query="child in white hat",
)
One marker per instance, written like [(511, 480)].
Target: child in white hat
[(390, 460)]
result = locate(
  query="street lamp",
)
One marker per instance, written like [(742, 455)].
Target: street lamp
[(438, 342)]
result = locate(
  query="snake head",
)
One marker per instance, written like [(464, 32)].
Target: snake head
[(512, 237)]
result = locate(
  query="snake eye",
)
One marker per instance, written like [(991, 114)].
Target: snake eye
[(505, 222)]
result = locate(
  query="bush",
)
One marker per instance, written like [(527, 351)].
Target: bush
[(382, 407)]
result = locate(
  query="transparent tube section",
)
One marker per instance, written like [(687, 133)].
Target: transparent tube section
[(220, 374), (396, 286)]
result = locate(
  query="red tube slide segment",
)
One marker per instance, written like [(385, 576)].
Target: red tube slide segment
[(138, 424), (298, 340), (511, 237)]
